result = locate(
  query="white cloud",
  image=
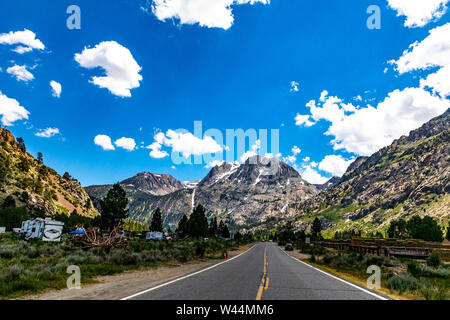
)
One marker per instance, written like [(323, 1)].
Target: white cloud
[(296, 150), (126, 143), (56, 88), (122, 71), (207, 13), (11, 110), (418, 13), (432, 52), (25, 40), (185, 143), (303, 120), (366, 130), (188, 144), (156, 152), (47, 133), (295, 86), (215, 163), (369, 129), (312, 176), (20, 73), (293, 158), (336, 165), (331, 110), (104, 142), (251, 153), (323, 96)]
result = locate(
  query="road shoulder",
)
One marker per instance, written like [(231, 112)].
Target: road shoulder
[(344, 276)]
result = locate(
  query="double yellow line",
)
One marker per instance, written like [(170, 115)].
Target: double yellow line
[(264, 285)]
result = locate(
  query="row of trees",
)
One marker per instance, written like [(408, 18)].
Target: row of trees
[(417, 228), (197, 226), (114, 209)]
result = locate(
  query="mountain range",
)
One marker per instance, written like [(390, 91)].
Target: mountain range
[(409, 177), (243, 194)]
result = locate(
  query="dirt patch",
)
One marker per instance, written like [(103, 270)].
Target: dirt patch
[(128, 283)]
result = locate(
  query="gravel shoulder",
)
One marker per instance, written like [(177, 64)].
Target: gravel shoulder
[(119, 286)]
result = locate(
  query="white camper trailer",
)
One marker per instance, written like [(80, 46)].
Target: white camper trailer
[(43, 229), (154, 236)]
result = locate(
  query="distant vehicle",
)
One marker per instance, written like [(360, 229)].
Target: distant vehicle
[(289, 247), (154, 236), (270, 240)]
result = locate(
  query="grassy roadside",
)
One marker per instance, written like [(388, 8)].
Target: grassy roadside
[(401, 279), (35, 267)]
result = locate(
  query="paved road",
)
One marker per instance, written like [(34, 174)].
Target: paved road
[(264, 272)]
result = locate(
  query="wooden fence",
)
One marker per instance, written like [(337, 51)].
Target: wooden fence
[(415, 249)]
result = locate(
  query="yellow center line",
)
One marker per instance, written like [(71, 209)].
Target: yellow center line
[(264, 285)]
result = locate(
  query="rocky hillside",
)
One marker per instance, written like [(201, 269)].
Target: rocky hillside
[(36, 186), (253, 192), (245, 195), (327, 185), (145, 192), (409, 177)]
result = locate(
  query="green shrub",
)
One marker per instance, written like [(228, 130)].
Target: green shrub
[(434, 260), (403, 282), (430, 293)]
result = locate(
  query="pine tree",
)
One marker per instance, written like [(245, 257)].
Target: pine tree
[(213, 227), (448, 232), (40, 157), (197, 225), (21, 144), (114, 208), (316, 228), (221, 228), (226, 232), (156, 224), (182, 227), (9, 202)]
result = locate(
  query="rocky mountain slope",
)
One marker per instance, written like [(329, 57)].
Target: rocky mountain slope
[(409, 177), (244, 194), (252, 192), (35, 186), (327, 185), (146, 192)]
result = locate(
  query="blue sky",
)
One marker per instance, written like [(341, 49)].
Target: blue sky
[(228, 77)]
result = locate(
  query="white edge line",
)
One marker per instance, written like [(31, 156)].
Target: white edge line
[(185, 277), (337, 278)]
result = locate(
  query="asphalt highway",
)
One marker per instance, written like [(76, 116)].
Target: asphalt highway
[(264, 272)]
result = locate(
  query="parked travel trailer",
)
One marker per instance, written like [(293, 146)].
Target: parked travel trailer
[(43, 229), (154, 236)]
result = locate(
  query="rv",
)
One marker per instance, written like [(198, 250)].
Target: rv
[(42, 229)]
